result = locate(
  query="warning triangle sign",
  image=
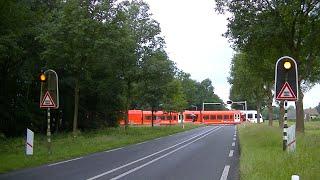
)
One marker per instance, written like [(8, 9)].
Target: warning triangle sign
[(286, 93), (47, 101)]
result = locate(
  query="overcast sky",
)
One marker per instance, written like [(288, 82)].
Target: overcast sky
[(193, 34)]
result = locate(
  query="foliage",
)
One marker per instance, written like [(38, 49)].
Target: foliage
[(109, 57), (318, 108), (267, 30)]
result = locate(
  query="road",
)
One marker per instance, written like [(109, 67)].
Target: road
[(209, 152)]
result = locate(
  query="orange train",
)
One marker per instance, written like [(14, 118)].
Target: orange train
[(213, 117), (139, 117)]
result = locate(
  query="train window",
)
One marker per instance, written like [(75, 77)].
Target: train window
[(174, 118), (231, 117), (213, 117), (188, 116), (250, 116), (161, 117), (206, 117), (148, 117), (219, 117), (255, 116), (226, 117), (169, 117)]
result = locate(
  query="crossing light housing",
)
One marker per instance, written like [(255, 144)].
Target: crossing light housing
[(229, 102)]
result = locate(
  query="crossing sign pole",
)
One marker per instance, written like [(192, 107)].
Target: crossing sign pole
[(286, 87), (49, 97)]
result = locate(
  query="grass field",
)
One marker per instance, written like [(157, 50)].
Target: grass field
[(262, 156), (64, 146)]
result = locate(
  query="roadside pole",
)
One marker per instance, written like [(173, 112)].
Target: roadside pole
[(285, 125), (49, 97), (49, 131)]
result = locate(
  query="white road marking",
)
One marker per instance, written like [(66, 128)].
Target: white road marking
[(234, 139), (235, 135), (128, 164), (65, 161), (225, 172), (167, 154), (140, 143), (233, 144), (231, 153), (113, 149)]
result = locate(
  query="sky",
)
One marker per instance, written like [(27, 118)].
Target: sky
[(193, 34)]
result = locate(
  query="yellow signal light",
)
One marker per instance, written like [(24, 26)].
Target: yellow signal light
[(43, 77), (287, 65)]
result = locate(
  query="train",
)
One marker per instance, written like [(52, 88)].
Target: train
[(141, 117)]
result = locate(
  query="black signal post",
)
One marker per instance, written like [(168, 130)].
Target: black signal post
[(286, 87)]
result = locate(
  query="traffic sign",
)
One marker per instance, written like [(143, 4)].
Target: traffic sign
[(286, 79), (47, 101), (286, 93), (49, 94)]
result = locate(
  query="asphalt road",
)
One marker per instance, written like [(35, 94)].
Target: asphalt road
[(209, 152)]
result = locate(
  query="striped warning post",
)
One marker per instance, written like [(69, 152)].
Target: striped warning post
[(285, 125)]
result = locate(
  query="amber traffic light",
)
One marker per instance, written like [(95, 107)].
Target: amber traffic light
[(42, 77), (287, 65)]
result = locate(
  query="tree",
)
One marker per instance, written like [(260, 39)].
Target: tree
[(318, 108), (70, 38), (284, 28), (158, 73), (245, 83)]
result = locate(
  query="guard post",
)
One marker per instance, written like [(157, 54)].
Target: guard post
[(49, 97), (286, 88)]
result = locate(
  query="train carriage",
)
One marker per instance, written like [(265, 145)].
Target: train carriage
[(139, 117), (221, 117)]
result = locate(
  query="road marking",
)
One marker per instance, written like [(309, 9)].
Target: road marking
[(167, 154), (138, 160), (65, 161), (233, 144), (231, 153), (225, 172), (140, 143), (113, 150), (234, 139), (235, 135)]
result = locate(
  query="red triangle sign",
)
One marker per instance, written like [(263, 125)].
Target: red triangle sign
[(286, 93), (47, 101)]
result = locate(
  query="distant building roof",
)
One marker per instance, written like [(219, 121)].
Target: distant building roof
[(311, 111)]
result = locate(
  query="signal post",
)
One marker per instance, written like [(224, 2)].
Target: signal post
[(286, 89), (49, 97)]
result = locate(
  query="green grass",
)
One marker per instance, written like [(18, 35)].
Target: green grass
[(262, 156), (64, 146)]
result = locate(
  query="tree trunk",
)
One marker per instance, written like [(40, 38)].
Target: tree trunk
[(152, 110), (76, 107), (300, 112), (128, 102), (258, 111), (270, 108), (281, 114)]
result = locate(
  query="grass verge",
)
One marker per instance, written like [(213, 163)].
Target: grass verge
[(262, 156), (64, 146)]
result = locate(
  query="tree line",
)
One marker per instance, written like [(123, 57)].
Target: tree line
[(109, 56), (263, 31)]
